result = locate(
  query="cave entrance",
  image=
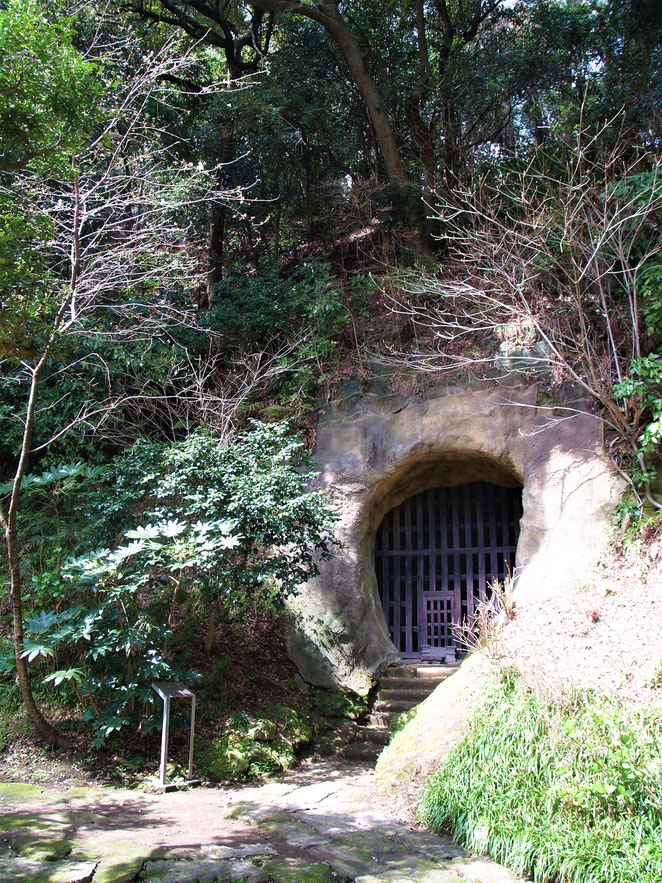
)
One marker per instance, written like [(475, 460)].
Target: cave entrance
[(436, 555)]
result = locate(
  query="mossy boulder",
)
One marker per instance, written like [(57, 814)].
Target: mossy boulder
[(252, 746), (263, 731)]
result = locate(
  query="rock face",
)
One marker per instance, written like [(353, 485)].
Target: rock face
[(377, 448)]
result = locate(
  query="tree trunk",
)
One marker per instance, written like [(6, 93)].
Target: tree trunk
[(326, 13), (211, 632), (215, 244), (9, 524), (42, 726), (422, 132), (342, 37)]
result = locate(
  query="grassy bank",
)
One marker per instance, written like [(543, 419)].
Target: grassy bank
[(568, 792)]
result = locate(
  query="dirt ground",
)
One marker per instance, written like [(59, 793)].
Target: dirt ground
[(604, 635)]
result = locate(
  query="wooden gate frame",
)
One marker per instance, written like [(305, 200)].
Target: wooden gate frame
[(459, 536)]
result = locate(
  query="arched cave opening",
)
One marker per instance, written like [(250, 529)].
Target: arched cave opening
[(438, 550)]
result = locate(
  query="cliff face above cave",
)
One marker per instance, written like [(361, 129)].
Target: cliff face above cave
[(378, 448)]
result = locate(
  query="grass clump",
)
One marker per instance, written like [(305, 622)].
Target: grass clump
[(560, 792), (400, 720)]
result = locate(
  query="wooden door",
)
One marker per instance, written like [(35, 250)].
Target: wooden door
[(435, 556)]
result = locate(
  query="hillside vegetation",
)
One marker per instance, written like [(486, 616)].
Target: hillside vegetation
[(213, 214)]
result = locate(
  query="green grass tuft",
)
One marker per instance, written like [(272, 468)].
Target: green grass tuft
[(572, 794)]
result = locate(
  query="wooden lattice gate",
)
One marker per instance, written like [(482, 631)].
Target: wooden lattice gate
[(435, 556)]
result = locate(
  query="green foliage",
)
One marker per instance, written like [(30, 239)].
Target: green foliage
[(228, 525), (48, 105), (47, 88), (400, 721), (651, 292), (255, 484), (642, 388), (255, 744), (559, 793), (339, 703), (273, 304), (118, 644)]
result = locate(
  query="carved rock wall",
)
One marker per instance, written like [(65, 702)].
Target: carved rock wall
[(375, 450)]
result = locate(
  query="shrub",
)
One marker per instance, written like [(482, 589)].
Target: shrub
[(227, 527)]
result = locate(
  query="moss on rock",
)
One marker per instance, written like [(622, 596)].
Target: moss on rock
[(47, 849), (296, 870), (254, 746), (16, 791), (339, 703)]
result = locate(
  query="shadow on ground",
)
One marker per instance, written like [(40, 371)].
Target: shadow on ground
[(320, 823)]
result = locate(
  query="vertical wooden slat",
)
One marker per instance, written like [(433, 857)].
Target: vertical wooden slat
[(421, 499), (406, 626), (443, 527), (480, 520), (406, 601), (494, 566), (469, 508), (457, 563), (387, 594), (396, 579), (505, 527), (432, 495)]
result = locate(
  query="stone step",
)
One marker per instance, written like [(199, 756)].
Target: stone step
[(400, 671), (365, 751), (421, 670), (406, 683), (396, 707), (379, 735), (381, 719), (436, 671), (414, 696)]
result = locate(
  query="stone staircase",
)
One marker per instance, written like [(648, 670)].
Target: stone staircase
[(400, 688)]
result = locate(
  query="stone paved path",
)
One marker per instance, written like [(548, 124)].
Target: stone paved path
[(321, 823)]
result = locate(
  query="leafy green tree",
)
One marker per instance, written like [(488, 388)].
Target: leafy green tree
[(47, 87), (93, 232), (226, 525)]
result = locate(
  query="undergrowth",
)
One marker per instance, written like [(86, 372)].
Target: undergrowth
[(250, 745), (567, 793)]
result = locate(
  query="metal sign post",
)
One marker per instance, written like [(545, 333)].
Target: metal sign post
[(168, 690)]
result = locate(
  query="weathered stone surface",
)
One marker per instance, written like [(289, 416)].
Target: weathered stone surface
[(320, 823), (373, 455), (18, 791), (46, 849), (36, 870), (118, 870), (386, 877), (70, 872), (474, 869), (296, 870), (187, 870)]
